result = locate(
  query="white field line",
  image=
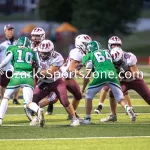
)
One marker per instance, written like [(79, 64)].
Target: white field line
[(146, 105), (123, 113), (92, 124), (83, 138)]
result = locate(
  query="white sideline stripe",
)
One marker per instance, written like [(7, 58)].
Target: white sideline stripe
[(83, 138), (123, 113), (93, 123), (81, 106)]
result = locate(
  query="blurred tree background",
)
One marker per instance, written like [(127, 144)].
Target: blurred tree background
[(98, 18), (56, 10), (104, 17)]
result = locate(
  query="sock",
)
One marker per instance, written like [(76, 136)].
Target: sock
[(127, 108), (14, 99), (34, 107), (3, 107), (50, 108), (100, 103), (88, 116)]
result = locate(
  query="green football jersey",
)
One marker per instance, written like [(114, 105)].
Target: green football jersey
[(22, 58), (101, 61)]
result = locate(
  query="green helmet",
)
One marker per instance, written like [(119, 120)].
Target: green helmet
[(94, 46), (23, 41)]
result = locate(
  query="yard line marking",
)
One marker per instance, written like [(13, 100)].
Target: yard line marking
[(93, 124), (82, 138), (14, 125), (81, 106), (123, 113)]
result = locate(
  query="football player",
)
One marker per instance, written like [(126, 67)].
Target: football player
[(22, 57), (113, 42), (73, 65), (130, 78), (101, 61), (50, 63)]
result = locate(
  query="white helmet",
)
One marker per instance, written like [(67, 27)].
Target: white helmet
[(46, 49), (114, 40), (116, 54), (37, 34), (81, 41)]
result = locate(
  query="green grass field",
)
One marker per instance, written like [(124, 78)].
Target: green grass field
[(16, 133)]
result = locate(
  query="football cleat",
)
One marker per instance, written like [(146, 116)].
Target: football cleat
[(35, 121), (48, 113), (28, 113), (112, 118), (85, 121), (15, 101), (41, 117), (131, 114), (70, 117), (49, 109), (75, 122), (98, 109)]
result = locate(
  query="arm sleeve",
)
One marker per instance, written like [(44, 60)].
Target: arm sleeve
[(2, 48), (75, 55), (58, 62), (133, 60), (7, 59)]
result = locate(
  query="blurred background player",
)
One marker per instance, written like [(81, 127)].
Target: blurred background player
[(37, 36), (9, 35)]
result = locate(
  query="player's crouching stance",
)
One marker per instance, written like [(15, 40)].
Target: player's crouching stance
[(50, 63), (22, 56), (102, 63), (130, 78)]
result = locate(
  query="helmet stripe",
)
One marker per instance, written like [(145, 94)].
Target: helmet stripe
[(97, 45), (25, 42)]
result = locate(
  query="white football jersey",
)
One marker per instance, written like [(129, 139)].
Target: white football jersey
[(35, 48), (55, 60), (129, 60), (75, 54), (3, 48)]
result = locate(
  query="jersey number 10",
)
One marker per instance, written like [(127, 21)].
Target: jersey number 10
[(102, 58), (28, 57)]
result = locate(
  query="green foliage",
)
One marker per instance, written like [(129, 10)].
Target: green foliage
[(56, 10), (104, 16)]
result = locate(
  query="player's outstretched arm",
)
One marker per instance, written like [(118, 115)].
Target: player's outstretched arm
[(7, 59), (135, 72), (86, 79)]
